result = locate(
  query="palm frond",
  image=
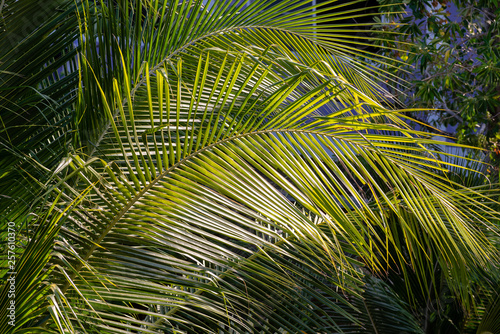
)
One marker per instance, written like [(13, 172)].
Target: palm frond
[(235, 170)]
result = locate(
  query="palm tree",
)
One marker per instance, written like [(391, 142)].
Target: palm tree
[(225, 167)]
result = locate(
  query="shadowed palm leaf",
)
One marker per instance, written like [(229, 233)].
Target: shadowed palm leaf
[(235, 170)]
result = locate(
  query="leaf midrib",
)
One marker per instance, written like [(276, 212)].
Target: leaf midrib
[(176, 52), (125, 209)]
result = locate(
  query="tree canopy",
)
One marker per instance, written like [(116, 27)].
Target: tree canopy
[(454, 65), (227, 167)]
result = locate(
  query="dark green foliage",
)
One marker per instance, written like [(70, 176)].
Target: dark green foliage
[(454, 66), (229, 167)]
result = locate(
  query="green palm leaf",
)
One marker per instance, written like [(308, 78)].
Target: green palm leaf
[(237, 171)]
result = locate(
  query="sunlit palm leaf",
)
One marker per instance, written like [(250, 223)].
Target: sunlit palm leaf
[(240, 174), (213, 197)]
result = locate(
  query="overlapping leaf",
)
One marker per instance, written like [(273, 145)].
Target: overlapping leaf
[(243, 176)]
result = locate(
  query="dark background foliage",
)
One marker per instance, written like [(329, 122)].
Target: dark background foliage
[(454, 65)]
